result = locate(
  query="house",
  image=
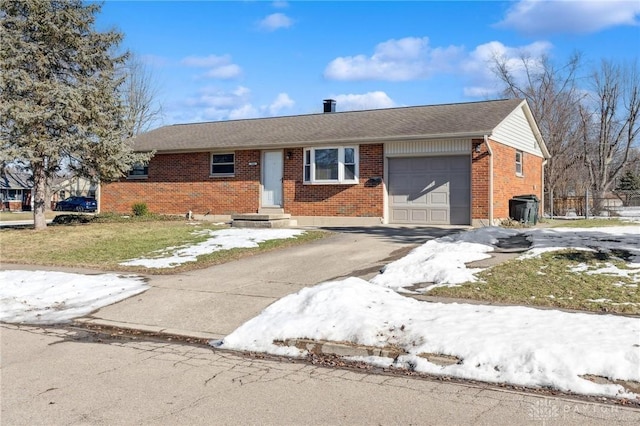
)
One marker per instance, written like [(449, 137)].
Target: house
[(15, 190), (455, 164), (65, 186)]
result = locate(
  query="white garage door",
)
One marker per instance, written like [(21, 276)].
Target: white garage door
[(430, 190)]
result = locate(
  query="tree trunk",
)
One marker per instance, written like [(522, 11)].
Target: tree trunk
[(39, 197)]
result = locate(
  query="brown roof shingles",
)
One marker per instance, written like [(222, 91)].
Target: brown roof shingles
[(475, 118)]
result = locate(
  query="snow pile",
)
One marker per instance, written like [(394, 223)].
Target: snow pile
[(224, 239), (45, 297), (517, 345), (442, 261)]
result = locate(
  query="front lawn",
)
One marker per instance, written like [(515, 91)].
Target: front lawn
[(14, 216), (563, 279), (103, 244)]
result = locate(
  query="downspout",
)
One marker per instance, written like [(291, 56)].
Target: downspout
[(544, 163), (486, 141)]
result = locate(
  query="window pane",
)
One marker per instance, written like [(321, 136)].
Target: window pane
[(349, 156), (326, 164), (139, 170), (222, 169), (222, 158), (307, 173), (349, 171)]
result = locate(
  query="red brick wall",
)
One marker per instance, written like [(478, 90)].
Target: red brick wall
[(506, 183), (479, 181), (181, 182), (178, 183), (362, 200)]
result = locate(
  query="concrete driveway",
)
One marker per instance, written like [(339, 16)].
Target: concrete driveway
[(213, 302)]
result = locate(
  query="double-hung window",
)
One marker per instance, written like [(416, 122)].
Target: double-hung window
[(519, 156), (223, 164), (139, 171), (331, 165)]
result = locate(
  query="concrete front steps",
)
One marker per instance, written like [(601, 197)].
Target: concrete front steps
[(265, 218)]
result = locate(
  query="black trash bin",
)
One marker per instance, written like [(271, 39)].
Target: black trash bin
[(524, 208)]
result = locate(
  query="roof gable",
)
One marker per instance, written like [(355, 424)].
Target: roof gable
[(519, 130), (473, 119)]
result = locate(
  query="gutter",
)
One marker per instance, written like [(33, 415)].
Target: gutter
[(486, 141), (321, 142)]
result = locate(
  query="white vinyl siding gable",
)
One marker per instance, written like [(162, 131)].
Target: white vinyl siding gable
[(515, 131), (431, 147)]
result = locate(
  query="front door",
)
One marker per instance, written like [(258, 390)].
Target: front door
[(272, 179)]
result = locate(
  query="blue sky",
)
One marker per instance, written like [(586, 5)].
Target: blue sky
[(214, 60)]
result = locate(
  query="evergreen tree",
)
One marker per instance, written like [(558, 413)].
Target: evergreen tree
[(59, 99), (628, 187), (629, 182)]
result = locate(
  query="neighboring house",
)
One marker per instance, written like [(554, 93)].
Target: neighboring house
[(68, 186), (455, 164), (15, 190)]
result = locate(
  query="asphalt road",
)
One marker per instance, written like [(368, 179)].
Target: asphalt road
[(53, 376)]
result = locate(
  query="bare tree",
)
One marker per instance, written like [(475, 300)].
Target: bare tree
[(610, 123), (553, 96), (140, 96)]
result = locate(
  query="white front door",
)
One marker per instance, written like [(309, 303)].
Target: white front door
[(272, 179)]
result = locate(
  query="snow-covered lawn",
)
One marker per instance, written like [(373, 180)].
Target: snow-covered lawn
[(441, 262), (46, 297), (218, 240), (517, 345)]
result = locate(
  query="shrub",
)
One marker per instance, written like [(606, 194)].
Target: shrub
[(140, 209)]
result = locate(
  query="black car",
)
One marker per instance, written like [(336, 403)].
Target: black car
[(77, 204)]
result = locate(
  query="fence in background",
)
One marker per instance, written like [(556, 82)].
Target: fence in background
[(587, 205)]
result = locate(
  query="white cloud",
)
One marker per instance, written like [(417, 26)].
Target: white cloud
[(214, 104), (275, 21), (405, 59), (224, 72), (282, 101), (220, 67), (245, 111), (371, 100), (535, 17), (478, 65)]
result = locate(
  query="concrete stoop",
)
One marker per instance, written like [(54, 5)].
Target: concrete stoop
[(262, 220)]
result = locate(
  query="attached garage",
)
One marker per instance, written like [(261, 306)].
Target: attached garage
[(430, 190)]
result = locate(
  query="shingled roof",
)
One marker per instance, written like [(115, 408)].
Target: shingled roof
[(473, 119)]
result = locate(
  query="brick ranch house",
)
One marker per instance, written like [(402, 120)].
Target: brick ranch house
[(455, 164)]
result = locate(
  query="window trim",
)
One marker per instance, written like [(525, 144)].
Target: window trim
[(310, 156), (520, 163), (233, 163)]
